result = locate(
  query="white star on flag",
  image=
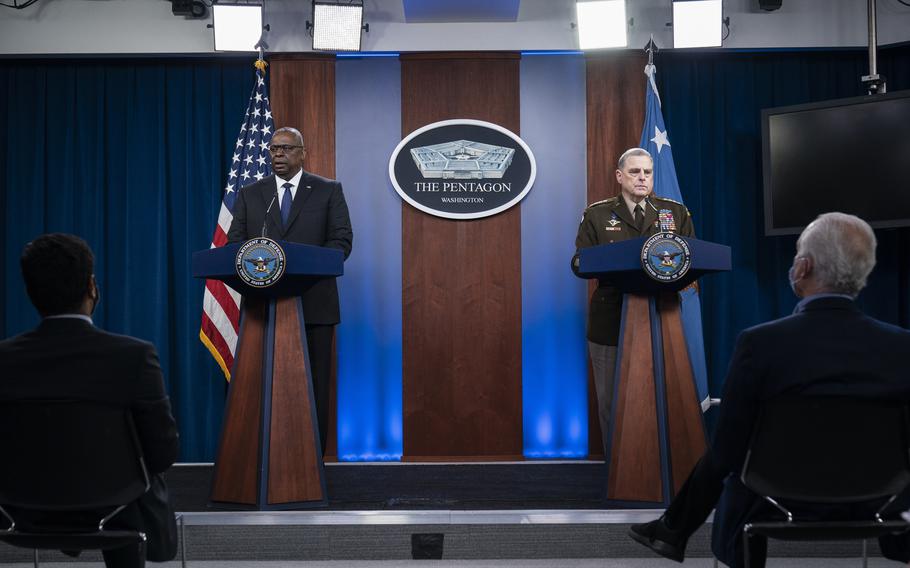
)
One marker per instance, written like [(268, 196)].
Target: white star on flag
[(660, 138)]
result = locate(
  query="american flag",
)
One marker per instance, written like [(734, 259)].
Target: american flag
[(251, 162)]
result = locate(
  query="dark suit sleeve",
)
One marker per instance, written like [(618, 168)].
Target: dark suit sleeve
[(338, 232), (739, 406), (151, 410), (586, 237), (238, 232)]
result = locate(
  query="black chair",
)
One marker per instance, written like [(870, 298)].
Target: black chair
[(828, 451), (66, 460)]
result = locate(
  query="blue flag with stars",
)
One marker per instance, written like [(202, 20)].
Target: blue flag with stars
[(654, 139)]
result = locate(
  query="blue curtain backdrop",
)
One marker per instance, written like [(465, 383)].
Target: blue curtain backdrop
[(131, 155), (712, 107)]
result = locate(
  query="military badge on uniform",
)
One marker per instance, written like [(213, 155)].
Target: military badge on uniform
[(665, 257), (667, 224), (613, 220)]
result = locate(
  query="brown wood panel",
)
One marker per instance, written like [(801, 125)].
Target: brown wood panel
[(302, 91), (685, 427), (615, 93), (294, 464), (235, 478), (302, 88), (635, 455), (461, 282)]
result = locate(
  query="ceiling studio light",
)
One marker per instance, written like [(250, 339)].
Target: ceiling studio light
[(238, 27), (337, 27), (601, 24), (697, 23)]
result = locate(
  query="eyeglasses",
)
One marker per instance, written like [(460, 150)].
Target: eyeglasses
[(285, 148)]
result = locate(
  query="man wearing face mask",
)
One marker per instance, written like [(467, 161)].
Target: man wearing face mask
[(826, 336), (67, 357)]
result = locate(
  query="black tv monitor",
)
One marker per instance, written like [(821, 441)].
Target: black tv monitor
[(849, 155)]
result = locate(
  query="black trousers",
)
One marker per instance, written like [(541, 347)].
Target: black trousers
[(319, 339)]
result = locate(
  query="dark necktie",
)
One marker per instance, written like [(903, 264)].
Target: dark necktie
[(286, 202), (639, 218)]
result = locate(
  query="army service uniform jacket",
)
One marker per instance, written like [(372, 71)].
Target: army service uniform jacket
[(610, 221)]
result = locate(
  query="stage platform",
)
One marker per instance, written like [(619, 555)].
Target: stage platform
[(397, 511)]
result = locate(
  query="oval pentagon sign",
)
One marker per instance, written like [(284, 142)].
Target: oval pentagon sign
[(462, 169)]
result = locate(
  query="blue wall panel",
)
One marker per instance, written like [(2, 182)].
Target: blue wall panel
[(554, 364), (368, 127)]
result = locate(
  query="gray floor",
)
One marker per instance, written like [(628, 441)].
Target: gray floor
[(520, 563)]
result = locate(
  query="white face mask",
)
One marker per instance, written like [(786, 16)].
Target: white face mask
[(793, 281)]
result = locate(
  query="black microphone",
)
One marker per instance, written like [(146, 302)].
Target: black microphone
[(269, 208)]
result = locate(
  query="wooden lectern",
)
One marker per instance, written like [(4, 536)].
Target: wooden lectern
[(657, 431), (269, 456)]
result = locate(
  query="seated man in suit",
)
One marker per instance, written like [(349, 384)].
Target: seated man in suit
[(67, 357), (826, 335)]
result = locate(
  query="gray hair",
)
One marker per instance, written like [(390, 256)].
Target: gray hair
[(632, 152), (842, 249), (292, 131)]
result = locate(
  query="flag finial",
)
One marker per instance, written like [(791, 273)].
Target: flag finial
[(651, 48)]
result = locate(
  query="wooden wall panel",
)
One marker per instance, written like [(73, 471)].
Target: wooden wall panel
[(461, 288), (302, 94), (615, 112), (302, 91)]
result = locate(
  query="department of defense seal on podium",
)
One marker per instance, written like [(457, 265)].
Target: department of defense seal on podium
[(260, 262), (665, 257)]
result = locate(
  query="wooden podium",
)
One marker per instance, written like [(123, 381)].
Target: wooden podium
[(657, 431), (269, 455)]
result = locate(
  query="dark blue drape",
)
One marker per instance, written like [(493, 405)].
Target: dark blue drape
[(131, 155), (712, 106)]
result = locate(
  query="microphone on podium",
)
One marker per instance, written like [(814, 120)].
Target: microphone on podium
[(266, 218)]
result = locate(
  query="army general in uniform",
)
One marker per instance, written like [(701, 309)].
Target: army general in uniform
[(633, 213)]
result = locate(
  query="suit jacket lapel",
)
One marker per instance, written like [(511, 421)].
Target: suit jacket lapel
[(650, 216), (304, 190), (622, 211)]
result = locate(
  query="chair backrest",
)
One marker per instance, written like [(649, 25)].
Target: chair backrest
[(65, 455), (829, 449)]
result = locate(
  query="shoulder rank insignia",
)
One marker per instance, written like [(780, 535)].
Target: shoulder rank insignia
[(668, 199), (667, 223)]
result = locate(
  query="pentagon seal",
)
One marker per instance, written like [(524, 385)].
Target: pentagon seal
[(260, 262), (665, 257)]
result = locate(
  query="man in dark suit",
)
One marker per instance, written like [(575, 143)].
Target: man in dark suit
[(297, 206), (67, 357), (827, 335)]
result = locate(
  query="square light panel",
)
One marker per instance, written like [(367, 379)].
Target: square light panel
[(337, 27), (238, 27), (601, 24), (697, 23)]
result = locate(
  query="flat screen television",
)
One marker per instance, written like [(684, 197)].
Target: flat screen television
[(850, 155)]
